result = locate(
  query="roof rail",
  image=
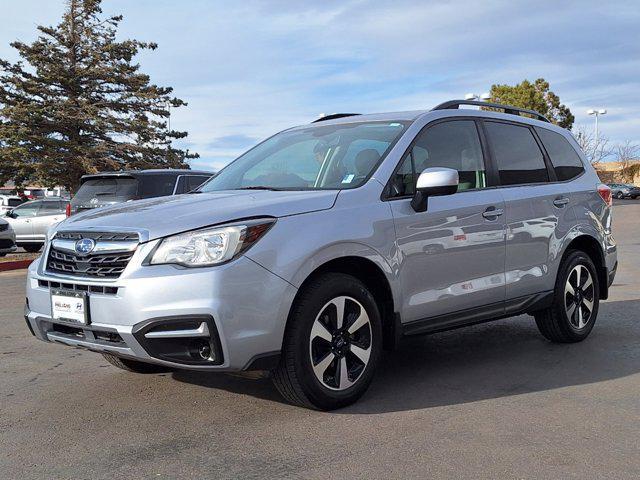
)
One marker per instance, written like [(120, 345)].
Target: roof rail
[(454, 104), (333, 116)]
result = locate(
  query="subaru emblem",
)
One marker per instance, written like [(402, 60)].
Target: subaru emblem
[(85, 246)]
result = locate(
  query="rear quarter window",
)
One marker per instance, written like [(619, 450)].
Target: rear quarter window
[(565, 160)]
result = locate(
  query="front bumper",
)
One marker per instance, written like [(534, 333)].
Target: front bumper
[(247, 305)]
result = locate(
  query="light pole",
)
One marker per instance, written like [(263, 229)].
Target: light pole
[(597, 113)]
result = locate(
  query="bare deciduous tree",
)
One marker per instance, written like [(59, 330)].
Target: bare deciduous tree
[(595, 149), (627, 152)]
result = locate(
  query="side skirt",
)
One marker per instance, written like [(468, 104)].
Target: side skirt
[(473, 316)]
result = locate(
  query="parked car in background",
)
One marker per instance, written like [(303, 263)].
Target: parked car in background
[(624, 190), (35, 193), (31, 220), (9, 202), (7, 238), (328, 241), (101, 189)]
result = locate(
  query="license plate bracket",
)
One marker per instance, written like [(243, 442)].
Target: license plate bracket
[(70, 306)]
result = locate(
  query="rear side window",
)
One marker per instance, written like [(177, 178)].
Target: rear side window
[(51, 208), (565, 160), (14, 202), (518, 157), (156, 185)]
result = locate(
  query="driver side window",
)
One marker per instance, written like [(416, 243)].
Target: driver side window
[(27, 210), (452, 144)]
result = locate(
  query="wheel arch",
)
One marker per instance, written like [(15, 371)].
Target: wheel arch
[(376, 279), (592, 247)]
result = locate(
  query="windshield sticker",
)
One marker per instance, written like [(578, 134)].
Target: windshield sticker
[(348, 178)]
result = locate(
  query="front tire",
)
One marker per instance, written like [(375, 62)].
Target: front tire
[(133, 365), (332, 344), (576, 300), (32, 247)]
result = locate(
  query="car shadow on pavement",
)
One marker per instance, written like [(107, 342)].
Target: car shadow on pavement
[(497, 359)]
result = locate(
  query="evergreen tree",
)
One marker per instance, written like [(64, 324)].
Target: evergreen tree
[(534, 96), (76, 103)]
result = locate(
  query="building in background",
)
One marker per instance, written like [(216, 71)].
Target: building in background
[(619, 172)]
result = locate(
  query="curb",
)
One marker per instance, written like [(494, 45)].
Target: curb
[(16, 265)]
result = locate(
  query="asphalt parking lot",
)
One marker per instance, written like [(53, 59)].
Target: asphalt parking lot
[(491, 401)]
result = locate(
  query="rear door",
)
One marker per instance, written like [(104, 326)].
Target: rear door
[(538, 208), (451, 257)]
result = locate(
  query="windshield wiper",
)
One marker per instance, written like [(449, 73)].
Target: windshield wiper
[(260, 187)]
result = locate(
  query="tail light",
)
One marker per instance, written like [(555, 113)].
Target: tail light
[(605, 193), (68, 210)]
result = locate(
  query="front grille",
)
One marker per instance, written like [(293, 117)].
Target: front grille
[(6, 243), (97, 236), (94, 265), (4, 226)]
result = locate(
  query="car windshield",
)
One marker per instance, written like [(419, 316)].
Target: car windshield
[(318, 157)]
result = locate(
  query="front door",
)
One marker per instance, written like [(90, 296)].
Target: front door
[(451, 257), (22, 220)]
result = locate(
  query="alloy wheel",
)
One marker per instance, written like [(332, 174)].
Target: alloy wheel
[(579, 296), (340, 343)]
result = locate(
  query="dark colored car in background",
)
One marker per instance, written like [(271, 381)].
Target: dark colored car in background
[(101, 189)]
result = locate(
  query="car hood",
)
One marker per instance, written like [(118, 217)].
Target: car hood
[(164, 216)]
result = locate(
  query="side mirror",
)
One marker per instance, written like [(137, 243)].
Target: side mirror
[(10, 214), (434, 182)]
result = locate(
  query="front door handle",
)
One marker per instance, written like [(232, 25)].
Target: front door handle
[(560, 202), (492, 213)]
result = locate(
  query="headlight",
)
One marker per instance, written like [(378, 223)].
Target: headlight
[(209, 246)]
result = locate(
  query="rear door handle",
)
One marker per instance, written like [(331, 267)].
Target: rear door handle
[(560, 202), (492, 213)]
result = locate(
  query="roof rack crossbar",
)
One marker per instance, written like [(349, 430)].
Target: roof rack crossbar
[(454, 104), (333, 116)]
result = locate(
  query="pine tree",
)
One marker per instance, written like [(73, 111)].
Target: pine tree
[(81, 105), (534, 96)]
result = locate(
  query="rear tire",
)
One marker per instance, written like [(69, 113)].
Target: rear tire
[(133, 365), (32, 247), (329, 358), (575, 304)]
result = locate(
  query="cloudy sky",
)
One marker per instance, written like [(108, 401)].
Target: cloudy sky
[(251, 68)]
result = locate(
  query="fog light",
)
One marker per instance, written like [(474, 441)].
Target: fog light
[(201, 350)]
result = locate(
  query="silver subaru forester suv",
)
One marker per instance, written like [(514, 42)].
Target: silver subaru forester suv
[(328, 242)]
